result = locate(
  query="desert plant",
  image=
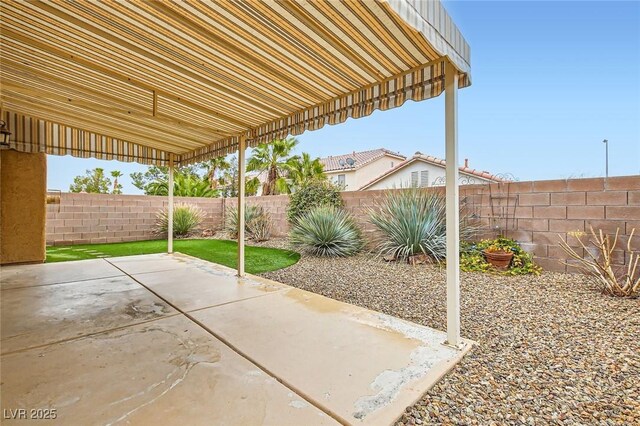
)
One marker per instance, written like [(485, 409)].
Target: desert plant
[(624, 281), (259, 228), (186, 220), (412, 222), (313, 194), (257, 223), (327, 231)]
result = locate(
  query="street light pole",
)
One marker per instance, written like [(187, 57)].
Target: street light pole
[(606, 154)]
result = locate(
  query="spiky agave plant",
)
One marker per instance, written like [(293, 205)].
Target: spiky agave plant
[(186, 219), (412, 221), (326, 231)]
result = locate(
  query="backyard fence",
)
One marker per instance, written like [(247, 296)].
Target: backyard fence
[(536, 213)]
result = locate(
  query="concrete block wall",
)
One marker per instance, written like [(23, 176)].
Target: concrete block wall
[(545, 212), (105, 218), (548, 211)]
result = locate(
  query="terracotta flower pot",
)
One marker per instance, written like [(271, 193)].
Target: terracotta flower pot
[(499, 259)]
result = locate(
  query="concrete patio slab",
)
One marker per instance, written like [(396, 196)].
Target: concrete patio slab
[(150, 263), (178, 339), (168, 371), (361, 366), (204, 285), (33, 316), (16, 276)]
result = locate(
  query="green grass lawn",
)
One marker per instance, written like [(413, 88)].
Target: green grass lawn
[(257, 259)]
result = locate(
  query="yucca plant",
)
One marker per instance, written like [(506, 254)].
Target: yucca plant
[(259, 228), (186, 220), (257, 223), (412, 222), (326, 231)]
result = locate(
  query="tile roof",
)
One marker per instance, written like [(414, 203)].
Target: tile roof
[(361, 158), (437, 161)]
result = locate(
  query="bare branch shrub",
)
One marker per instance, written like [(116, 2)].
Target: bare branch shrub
[(623, 282)]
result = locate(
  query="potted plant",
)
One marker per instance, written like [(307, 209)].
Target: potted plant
[(499, 253)]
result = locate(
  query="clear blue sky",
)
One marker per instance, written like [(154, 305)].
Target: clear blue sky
[(551, 80)]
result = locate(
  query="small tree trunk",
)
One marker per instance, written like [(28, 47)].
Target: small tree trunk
[(270, 185)]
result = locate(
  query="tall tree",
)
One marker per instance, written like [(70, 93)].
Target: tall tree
[(184, 185), (93, 181), (154, 173), (229, 181), (157, 177), (215, 170), (117, 188), (274, 159), (303, 170)]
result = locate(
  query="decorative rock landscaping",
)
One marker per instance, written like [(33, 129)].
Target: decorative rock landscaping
[(551, 349)]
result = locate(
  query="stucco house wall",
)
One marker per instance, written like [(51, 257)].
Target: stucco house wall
[(349, 177), (355, 178), (402, 177)]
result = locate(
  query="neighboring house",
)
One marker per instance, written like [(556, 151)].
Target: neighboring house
[(424, 171), (358, 168)]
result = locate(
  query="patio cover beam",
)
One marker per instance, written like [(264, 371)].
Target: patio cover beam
[(452, 205), (242, 147), (170, 206)]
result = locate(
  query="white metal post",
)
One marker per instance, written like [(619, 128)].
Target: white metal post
[(170, 208), (452, 209), (242, 145)]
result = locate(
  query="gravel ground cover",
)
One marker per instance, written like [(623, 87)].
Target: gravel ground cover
[(551, 349)]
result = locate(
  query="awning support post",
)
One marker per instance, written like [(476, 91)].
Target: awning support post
[(242, 145), (170, 207), (452, 205)]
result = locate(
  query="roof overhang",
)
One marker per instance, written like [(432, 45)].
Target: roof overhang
[(142, 81)]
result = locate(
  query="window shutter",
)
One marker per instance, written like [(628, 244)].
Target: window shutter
[(414, 179), (424, 178)]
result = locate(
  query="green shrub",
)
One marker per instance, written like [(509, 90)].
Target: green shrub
[(186, 220), (313, 194), (327, 231), (413, 221), (257, 223), (472, 259)]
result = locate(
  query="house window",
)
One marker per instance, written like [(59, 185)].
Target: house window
[(420, 179), (414, 179), (424, 178), (341, 179)]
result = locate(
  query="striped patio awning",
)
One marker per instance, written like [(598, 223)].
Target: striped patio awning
[(143, 80)]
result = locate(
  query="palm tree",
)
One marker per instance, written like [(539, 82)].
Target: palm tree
[(117, 189), (251, 186), (273, 158), (303, 170), (184, 185), (214, 166)]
